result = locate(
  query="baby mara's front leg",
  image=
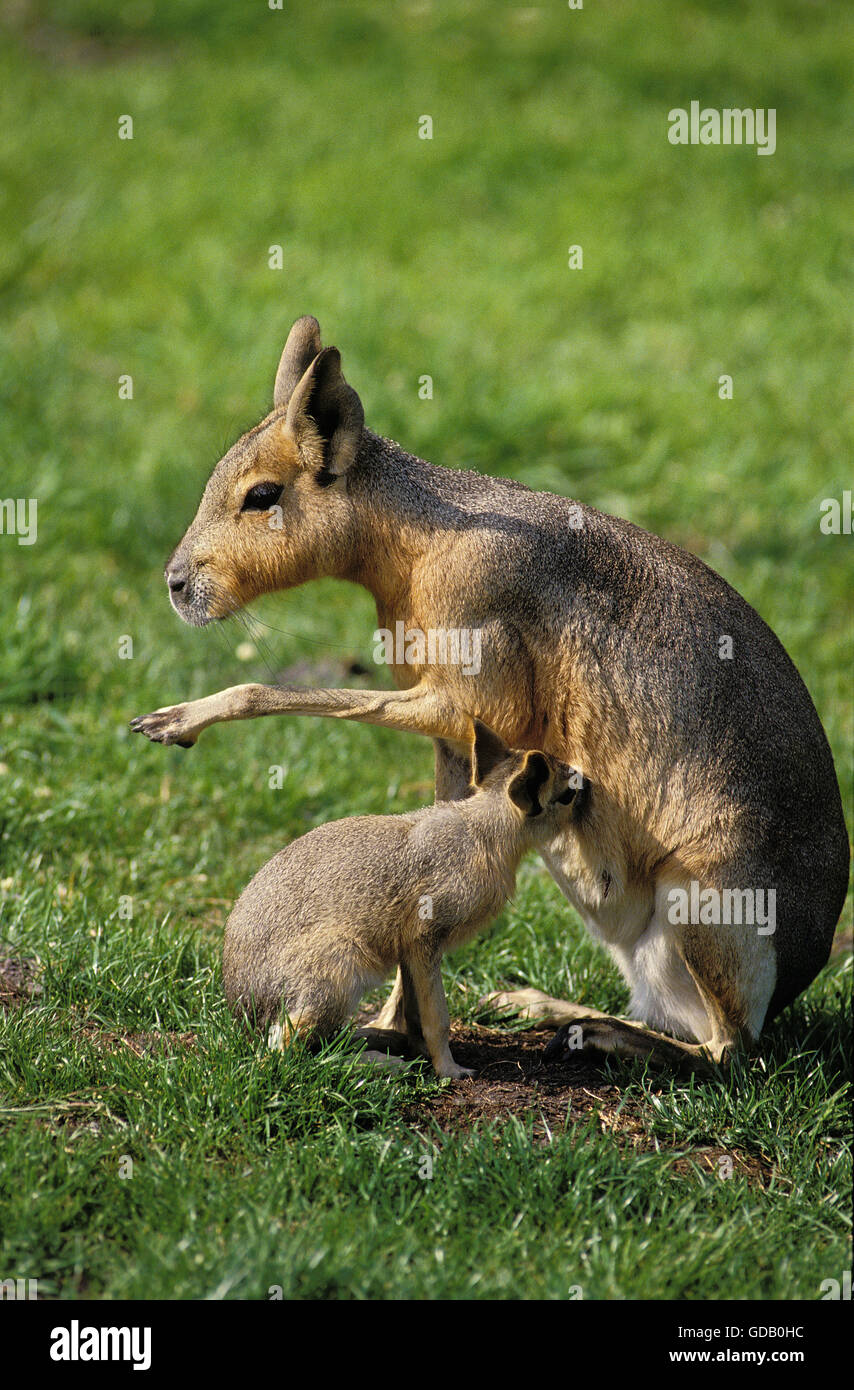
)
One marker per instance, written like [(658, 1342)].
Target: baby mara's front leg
[(420, 710), (424, 977)]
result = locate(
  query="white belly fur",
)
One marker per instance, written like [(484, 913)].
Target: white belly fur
[(631, 921)]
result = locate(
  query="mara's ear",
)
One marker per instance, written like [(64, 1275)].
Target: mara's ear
[(526, 786), (488, 750), (325, 417), (299, 352)]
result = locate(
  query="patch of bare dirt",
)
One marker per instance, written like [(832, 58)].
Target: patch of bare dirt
[(723, 1164), (513, 1080), (18, 980)]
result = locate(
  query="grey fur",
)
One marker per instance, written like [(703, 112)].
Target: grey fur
[(333, 913)]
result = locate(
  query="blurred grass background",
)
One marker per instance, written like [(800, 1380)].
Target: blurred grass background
[(448, 257)]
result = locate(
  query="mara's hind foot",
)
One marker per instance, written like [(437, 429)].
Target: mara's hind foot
[(617, 1037), (539, 1009), (585, 1029)]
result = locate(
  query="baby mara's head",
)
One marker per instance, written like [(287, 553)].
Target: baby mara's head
[(541, 793)]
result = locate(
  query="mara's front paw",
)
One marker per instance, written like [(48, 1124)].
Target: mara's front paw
[(168, 725)]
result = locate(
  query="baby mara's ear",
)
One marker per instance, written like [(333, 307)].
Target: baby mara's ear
[(544, 784), (527, 787)]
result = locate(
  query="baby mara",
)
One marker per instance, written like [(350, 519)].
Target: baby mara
[(330, 916)]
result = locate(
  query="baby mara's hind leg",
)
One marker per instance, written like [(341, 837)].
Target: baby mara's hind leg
[(301, 1024), (322, 995), (385, 1049)]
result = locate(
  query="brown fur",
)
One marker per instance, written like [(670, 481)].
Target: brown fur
[(600, 645)]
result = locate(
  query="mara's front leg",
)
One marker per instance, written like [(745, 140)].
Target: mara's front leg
[(419, 710)]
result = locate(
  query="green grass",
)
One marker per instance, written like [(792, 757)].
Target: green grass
[(446, 257)]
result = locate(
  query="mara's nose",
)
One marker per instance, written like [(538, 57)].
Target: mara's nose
[(176, 579)]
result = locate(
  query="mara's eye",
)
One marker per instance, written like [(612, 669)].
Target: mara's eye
[(261, 497), (566, 798)]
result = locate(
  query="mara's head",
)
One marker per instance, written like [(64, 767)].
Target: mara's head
[(543, 792), (274, 512)]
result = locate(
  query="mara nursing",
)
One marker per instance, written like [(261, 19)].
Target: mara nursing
[(600, 645)]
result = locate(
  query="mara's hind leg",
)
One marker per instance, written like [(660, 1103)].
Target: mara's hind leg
[(620, 916), (734, 972), (584, 1029), (698, 993), (537, 1008), (620, 1038)]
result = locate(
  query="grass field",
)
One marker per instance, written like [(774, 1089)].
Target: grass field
[(448, 257)]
